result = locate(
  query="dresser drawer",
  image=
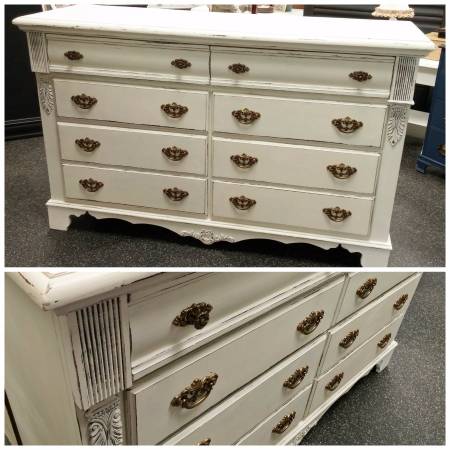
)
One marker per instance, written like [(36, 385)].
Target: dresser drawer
[(312, 167), (309, 120), (363, 287), (350, 334), (131, 104), (171, 152), (134, 188), (334, 381), (288, 207), (231, 419), (229, 358), (317, 72)]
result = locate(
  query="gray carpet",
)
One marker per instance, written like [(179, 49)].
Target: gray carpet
[(404, 404), (417, 228)]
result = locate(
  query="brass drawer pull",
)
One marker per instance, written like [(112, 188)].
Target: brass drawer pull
[(311, 322), (238, 68), (341, 171), (243, 203), (197, 314), (206, 441), (174, 110), (337, 214), (91, 185), (284, 423), (347, 124), (349, 339), (335, 382), (360, 76), (84, 101), (244, 161), (73, 55), (181, 63), (175, 153), (385, 340), (366, 289), (88, 145), (245, 115), (296, 378), (400, 303), (175, 194), (441, 149), (195, 394)]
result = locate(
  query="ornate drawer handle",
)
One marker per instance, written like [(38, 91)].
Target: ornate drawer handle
[(174, 110), (334, 383), (198, 391), (206, 441), (73, 55), (245, 115), (244, 161), (296, 378), (175, 153), (84, 101), (197, 314), (385, 340), (238, 68), (341, 171), (243, 203), (441, 149), (360, 76), (349, 339), (366, 289), (337, 214), (88, 145), (311, 322), (175, 194), (400, 303), (284, 423), (347, 124), (181, 63), (91, 185)]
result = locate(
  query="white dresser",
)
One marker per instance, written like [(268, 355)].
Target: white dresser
[(187, 358), (226, 127)]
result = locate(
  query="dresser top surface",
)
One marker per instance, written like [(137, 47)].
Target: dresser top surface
[(263, 30)]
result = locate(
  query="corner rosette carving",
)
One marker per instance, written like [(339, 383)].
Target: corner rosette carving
[(105, 425), (397, 123)]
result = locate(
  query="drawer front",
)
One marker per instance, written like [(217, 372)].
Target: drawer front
[(364, 287), (295, 165), (287, 70), (112, 57), (309, 120), (364, 324), (351, 366), (228, 358), (132, 104), (134, 188), (226, 423), (133, 148), (291, 208)]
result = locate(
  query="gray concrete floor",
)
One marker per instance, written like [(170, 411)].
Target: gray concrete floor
[(417, 230)]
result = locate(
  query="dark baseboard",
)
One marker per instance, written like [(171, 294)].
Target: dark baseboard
[(23, 128)]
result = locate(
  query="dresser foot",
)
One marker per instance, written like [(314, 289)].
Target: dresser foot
[(421, 166), (58, 218), (381, 365)]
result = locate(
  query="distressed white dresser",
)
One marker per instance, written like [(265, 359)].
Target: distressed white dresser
[(187, 358), (226, 127)]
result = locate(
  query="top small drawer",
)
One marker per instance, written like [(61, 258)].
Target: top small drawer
[(315, 72)]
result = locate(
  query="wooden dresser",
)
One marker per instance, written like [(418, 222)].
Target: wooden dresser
[(226, 127), (187, 358)]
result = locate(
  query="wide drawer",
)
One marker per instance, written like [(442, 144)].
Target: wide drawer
[(310, 120), (171, 152), (363, 287), (296, 165), (128, 59), (292, 208), (234, 359), (333, 382), (128, 187), (231, 419), (131, 104), (315, 72), (348, 335)]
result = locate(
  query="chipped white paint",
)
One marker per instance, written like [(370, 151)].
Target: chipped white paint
[(37, 47)]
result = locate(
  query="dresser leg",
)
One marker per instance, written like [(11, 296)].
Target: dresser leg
[(384, 362), (421, 166), (374, 257), (58, 218)]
